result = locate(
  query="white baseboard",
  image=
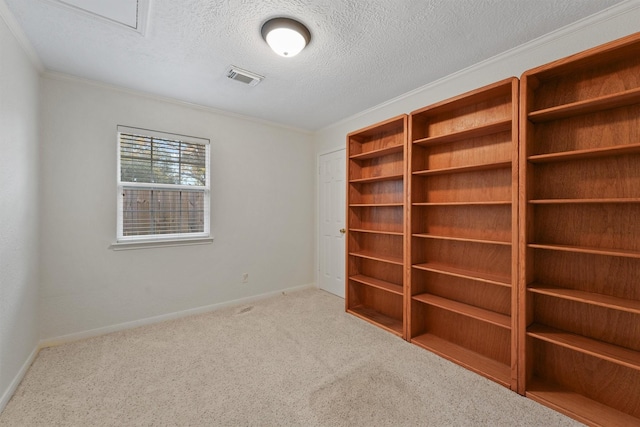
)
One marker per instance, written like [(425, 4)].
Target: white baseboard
[(50, 342), (18, 378)]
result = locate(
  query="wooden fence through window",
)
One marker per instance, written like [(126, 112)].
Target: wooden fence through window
[(161, 211)]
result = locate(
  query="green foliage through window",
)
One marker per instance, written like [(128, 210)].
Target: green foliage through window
[(162, 161)]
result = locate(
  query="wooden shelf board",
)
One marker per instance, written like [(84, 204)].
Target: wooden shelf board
[(376, 179), (477, 313), (612, 353), (487, 129), (576, 405), (378, 153), (586, 153), (371, 315), (588, 250), (461, 239), (584, 201), (388, 233), (377, 283), (601, 300), (378, 257), (465, 274), (471, 360), (376, 205), (628, 97), (464, 169), (483, 203)]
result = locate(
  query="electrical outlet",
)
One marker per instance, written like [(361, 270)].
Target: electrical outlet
[(245, 277)]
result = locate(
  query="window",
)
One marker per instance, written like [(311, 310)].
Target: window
[(163, 186)]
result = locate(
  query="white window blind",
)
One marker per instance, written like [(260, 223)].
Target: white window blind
[(163, 186)]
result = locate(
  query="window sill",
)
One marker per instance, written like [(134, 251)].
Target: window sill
[(148, 244)]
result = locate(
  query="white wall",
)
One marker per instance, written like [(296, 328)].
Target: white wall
[(612, 24), (262, 211), (263, 203), (609, 25), (19, 89)]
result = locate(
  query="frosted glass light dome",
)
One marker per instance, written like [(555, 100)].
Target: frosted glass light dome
[(285, 36)]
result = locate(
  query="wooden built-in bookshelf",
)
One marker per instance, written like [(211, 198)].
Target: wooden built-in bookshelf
[(580, 234), (375, 224), (462, 229), (500, 229)]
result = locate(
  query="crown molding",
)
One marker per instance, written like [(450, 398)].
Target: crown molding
[(107, 86), (598, 18), (23, 41)]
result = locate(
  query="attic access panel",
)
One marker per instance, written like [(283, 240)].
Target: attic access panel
[(130, 13)]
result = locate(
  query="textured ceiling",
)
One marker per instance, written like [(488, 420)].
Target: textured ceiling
[(362, 53)]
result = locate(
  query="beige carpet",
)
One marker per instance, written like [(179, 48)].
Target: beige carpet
[(292, 360)]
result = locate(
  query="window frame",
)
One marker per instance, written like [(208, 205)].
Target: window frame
[(167, 239)]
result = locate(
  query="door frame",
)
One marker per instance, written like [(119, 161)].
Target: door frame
[(318, 231)]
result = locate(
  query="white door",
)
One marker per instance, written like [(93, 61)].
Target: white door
[(331, 219)]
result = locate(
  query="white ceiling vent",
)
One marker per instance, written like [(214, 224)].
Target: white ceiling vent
[(244, 76)]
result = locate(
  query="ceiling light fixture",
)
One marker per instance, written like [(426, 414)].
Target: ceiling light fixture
[(287, 37)]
